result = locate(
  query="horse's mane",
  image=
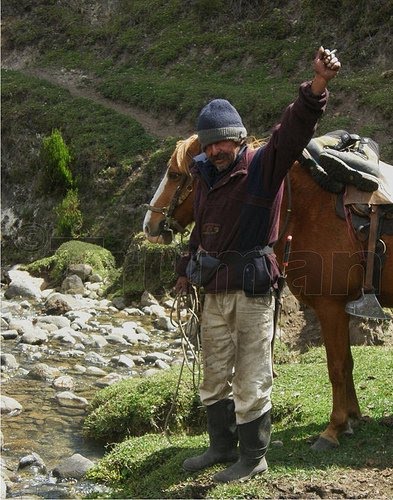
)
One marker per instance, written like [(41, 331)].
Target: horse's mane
[(186, 149)]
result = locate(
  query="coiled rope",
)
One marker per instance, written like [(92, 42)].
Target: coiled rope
[(185, 316)]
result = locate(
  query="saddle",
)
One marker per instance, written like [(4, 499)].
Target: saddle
[(349, 165)]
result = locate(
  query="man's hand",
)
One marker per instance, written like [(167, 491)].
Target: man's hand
[(326, 63), (182, 285), (326, 66)]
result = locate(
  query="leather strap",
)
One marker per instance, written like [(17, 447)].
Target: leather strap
[(372, 240)]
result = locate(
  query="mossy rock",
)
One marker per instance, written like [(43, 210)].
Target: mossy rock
[(71, 252), (136, 406)]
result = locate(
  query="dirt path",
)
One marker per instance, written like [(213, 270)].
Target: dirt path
[(80, 85)]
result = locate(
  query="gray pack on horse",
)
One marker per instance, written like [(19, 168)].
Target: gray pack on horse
[(341, 260)]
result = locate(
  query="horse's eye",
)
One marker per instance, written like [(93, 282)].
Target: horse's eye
[(174, 176)]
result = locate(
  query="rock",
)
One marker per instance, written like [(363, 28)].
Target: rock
[(164, 323), (9, 334), (99, 341), (64, 382), (116, 339), (95, 371), (73, 467), (23, 285), (10, 307), (95, 359), (83, 271), (72, 285), (9, 361), (10, 406), (71, 400), (119, 303), (58, 321), (133, 311), (152, 357), (3, 488), (59, 304), (123, 360), (96, 278), (79, 316), (148, 299), (32, 460), (34, 337), (109, 379), (42, 371), (21, 325), (161, 364), (155, 310)]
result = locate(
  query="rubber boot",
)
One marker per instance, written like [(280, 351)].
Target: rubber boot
[(254, 438), (358, 167), (222, 430)]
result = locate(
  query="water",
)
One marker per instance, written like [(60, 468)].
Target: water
[(48, 429)]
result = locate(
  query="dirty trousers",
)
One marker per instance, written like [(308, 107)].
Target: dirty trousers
[(236, 334)]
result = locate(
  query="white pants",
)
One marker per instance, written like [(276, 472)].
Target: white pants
[(236, 333)]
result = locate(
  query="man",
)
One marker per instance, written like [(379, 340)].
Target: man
[(237, 201)]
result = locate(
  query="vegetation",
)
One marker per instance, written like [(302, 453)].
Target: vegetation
[(169, 58), (69, 217), (55, 158), (149, 466), (140, 406), (74, 252)]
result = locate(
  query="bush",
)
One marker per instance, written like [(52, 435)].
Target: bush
[(55, 158), (69, 217)]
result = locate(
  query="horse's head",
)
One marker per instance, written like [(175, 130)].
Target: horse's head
[(171, 208)]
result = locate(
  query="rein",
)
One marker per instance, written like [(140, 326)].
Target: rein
[(289, 207), (183, 190)]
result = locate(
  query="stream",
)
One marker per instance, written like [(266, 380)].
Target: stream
[(101, 344)]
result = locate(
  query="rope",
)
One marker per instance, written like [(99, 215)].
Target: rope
[(185, 313)]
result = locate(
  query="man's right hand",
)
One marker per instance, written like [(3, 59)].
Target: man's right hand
[(182, 285)]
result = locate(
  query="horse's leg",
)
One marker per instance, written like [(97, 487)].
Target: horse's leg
[(335, 330)]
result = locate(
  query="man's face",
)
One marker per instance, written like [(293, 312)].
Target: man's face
[(222, 153)]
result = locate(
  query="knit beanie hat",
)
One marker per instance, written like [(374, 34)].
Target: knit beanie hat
[(219, 121)]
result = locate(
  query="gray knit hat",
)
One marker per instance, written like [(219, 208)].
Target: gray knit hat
[(219, 121)]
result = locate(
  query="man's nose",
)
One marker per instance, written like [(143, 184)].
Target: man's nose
[(214, 149)]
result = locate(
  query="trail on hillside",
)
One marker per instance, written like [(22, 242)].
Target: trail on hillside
[(79, 85)]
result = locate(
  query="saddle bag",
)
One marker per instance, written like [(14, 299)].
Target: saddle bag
[(257, 277), (201, 268)]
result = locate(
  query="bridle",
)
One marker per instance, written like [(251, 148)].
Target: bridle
[(183, 190)]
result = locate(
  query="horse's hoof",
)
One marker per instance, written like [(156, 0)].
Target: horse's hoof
[(323, 444)]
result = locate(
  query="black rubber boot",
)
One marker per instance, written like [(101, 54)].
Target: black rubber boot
[(352, 167), (221, 426), (254, 438)]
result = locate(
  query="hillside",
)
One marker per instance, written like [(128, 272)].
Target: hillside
[(123, 79)]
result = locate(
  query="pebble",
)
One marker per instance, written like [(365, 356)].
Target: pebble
[(63, 348)]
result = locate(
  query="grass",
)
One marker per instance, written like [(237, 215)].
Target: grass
[(169, 59), (149, 466)]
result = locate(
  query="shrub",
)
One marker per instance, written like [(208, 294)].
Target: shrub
[(69, 217), (55, 158)]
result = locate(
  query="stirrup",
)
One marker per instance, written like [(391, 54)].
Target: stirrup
[(367, 306)]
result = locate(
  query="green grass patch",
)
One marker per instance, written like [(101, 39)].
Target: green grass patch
[(149, 466)]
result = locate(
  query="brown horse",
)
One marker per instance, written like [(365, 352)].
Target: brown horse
[(325, 269)]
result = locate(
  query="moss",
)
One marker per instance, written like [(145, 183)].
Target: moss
[(74, 252)]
